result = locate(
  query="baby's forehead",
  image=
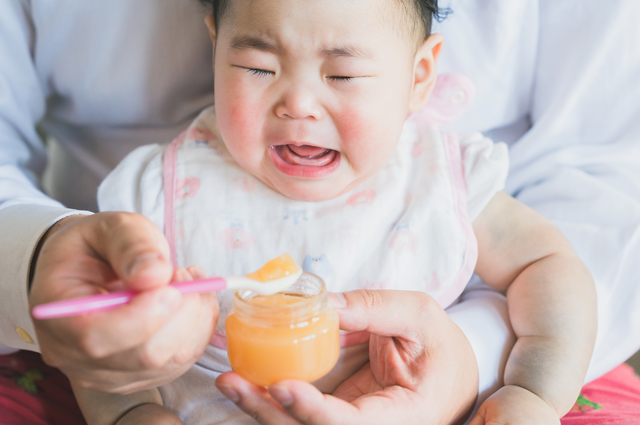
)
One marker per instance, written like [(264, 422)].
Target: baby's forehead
[(393, 18)]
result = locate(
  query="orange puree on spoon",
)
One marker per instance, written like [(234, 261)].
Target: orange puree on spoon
[(277, 268)]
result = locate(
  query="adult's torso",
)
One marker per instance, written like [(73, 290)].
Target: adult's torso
[(120, 74)]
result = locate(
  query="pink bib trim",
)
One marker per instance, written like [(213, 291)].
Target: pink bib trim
[(452, 149), (169, 170)]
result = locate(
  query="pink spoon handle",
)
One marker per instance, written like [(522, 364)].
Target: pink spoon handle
[(76, 306)]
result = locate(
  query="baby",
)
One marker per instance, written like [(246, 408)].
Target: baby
[(309, 150)]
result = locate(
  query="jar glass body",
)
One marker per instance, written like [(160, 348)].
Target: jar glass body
[(293, 334)]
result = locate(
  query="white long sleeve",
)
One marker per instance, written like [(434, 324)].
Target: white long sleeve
[(102, 78), (579, 164), (25, 212), (575, 141), (563, 89)]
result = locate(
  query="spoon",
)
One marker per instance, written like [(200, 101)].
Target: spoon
[(274, 276)]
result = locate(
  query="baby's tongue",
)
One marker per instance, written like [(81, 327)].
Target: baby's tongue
[(306, 150), (306, 155)]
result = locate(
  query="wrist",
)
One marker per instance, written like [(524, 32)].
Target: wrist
[(519, 389), (54, 228)]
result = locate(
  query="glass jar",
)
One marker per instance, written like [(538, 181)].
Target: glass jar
[(293, 334)]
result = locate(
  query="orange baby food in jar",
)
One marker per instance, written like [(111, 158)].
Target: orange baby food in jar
[(289, 335)]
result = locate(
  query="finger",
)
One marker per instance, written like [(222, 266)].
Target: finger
[(182, 338), (205, 324), (360, 383), (477, 420), (203, 328), (101, 334), (180, 275), (386, 313), (172, 336), (255, 401), (169, 339), (309, 406), (133, 246), (196, 272)]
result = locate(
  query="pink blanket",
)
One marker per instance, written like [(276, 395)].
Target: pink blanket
[(35, 394)]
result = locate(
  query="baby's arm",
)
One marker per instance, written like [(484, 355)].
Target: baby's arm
[(551, 299), (143, 407)]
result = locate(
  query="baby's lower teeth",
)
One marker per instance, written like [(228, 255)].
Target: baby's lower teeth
[(317, 156)]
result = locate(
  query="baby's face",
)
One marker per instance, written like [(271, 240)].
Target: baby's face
[(310, 95)]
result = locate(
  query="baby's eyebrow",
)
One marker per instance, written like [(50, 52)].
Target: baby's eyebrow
[(248, 42), (347, 52), (257, 43)]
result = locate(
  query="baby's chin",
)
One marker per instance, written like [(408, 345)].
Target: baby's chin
[(308, 190)]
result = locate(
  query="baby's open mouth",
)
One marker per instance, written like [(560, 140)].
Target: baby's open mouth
[(304, 160), (306, 155)]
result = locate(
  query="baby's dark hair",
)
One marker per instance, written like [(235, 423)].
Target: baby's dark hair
[(422, 13)]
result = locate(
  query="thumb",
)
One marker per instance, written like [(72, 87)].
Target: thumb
[(477, 420), (133, 246), (386, 312)]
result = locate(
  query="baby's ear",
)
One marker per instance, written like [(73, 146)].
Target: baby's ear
[(425, 71), (211, 24)]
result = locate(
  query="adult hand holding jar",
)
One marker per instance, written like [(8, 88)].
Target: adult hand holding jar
[(421, 369)]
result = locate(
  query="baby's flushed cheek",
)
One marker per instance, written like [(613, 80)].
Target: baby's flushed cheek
[(240, 124), (353, 126), (366, 141), (243, 115)]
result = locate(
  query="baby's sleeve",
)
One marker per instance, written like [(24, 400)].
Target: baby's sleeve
[(486, 165), (136, 185)]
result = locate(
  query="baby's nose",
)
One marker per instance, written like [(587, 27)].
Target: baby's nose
[(299, 103)]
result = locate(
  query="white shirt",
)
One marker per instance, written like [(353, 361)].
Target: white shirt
[(558, 81)]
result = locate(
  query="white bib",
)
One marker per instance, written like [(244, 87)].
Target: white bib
[(405, 228)]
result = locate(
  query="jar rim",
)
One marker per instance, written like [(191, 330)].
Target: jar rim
[(307, 283)]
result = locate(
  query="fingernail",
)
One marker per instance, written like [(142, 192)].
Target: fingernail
[(281, 394), (229, 392), (142, 262), (337, 299), (170, 300)]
